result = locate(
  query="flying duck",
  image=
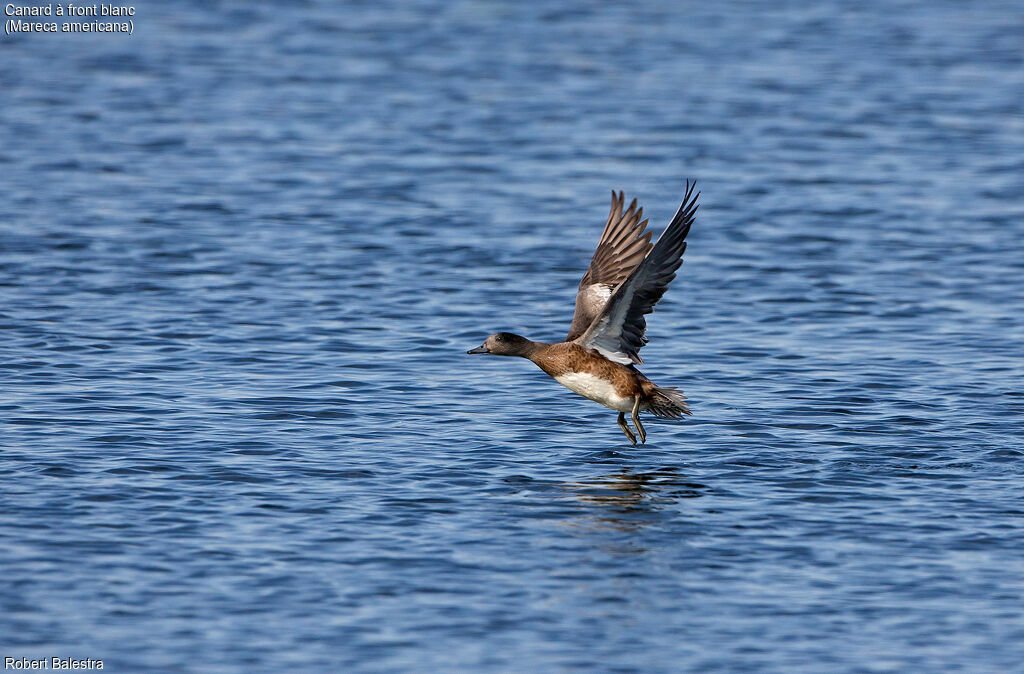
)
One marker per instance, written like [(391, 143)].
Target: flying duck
[(626, 278)]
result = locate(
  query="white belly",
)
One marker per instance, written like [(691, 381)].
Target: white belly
[(595, 388)]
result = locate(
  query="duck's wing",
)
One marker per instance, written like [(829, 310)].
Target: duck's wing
[(622, 247), (618, 332)]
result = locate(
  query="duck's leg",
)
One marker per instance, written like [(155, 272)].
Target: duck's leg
[(636, 421), (625, 428)]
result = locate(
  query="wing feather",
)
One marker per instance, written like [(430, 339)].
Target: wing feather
[(618, 332), (623, 245)]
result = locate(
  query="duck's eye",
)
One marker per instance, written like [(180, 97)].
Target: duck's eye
[(499, 338)]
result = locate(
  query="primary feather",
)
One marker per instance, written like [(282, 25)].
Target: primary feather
[(622, 247), (617, 332)]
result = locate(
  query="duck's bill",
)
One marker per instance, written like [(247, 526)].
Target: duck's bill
[(479, 349)]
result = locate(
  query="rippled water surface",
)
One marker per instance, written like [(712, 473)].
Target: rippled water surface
[(243, 253)]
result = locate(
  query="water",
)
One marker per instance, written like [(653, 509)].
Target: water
[(243, 253)]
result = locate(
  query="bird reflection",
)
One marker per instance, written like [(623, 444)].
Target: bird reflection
[(628, 491)]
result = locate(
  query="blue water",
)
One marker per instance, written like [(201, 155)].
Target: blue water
[(243, 253)]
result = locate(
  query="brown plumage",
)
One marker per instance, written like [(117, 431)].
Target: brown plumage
[(568, 357), (626, 279)]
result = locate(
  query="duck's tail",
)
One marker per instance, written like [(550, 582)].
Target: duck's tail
[(667, 402)]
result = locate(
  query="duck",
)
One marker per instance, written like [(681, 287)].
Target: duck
[(627, 277)]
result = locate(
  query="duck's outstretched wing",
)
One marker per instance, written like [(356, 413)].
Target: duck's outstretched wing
[(622, 247), (618, 332)]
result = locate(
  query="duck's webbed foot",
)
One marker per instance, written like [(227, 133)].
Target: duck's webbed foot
[(625, 428), (636, 421)]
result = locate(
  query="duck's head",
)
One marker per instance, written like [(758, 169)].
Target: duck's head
[(504, 344)]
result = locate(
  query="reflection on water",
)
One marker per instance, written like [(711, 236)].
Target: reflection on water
[(627, 490), (630, 502)]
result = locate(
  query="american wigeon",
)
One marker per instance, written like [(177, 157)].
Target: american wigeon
[(626, 278)]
